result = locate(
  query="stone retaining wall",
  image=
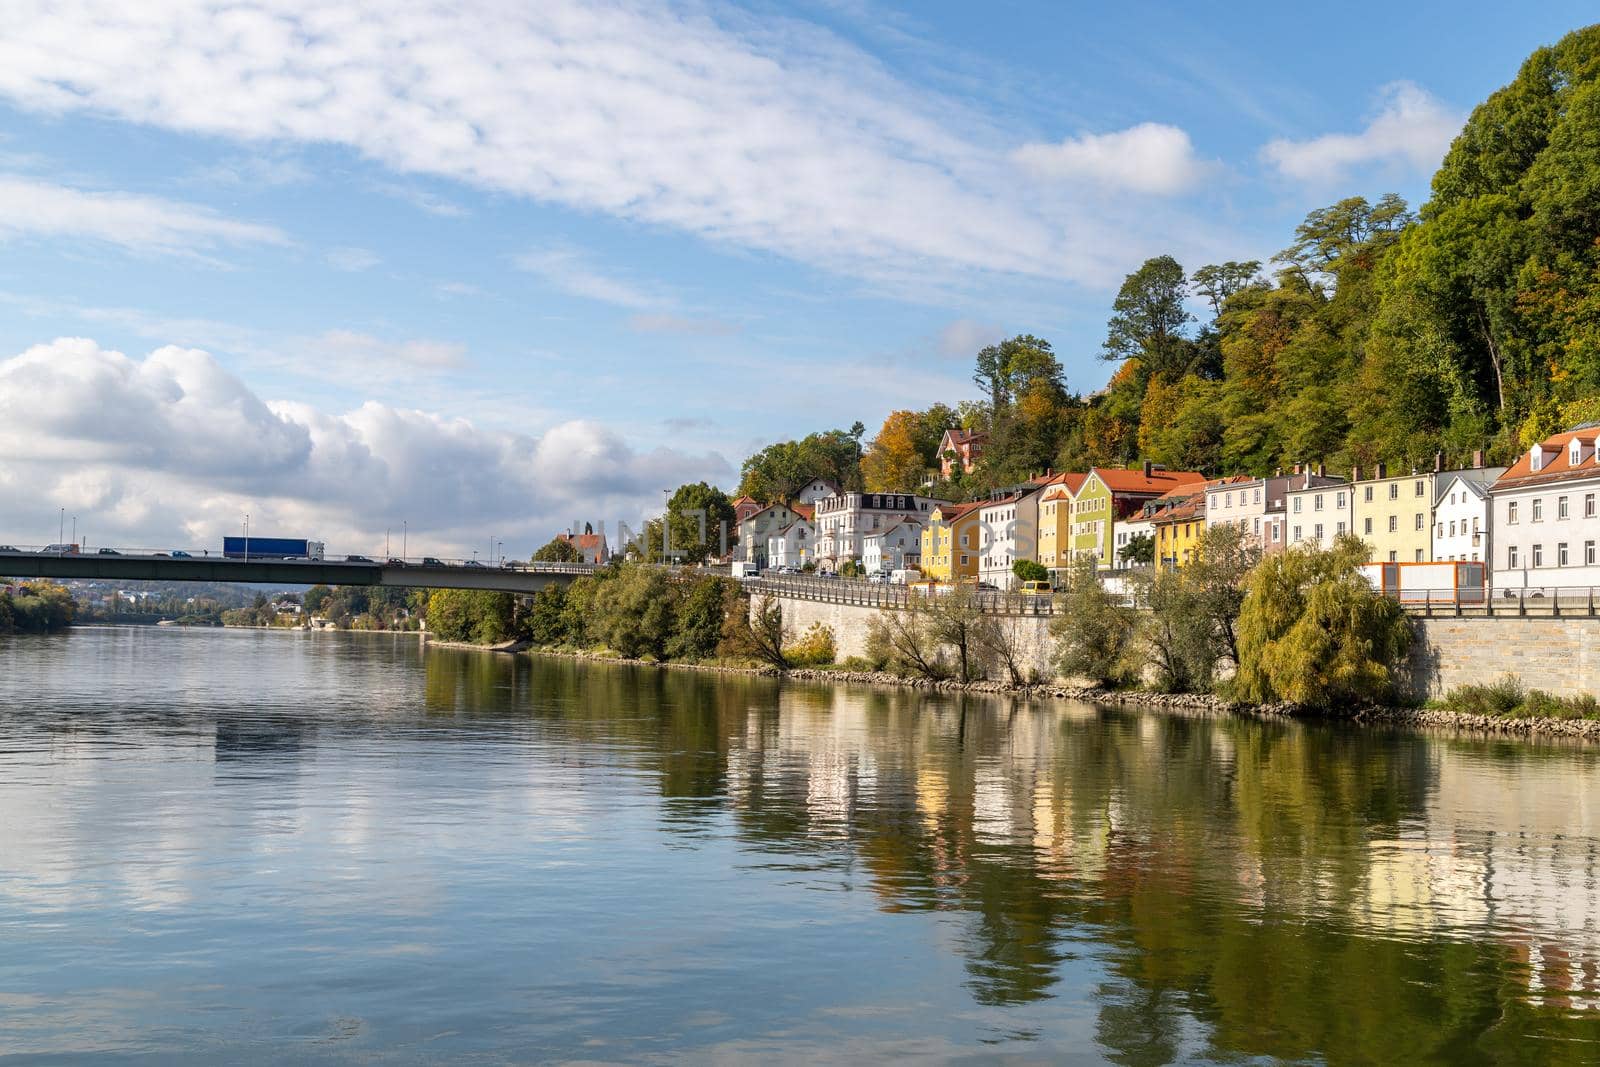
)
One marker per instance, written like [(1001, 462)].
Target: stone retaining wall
[(1558, 655)]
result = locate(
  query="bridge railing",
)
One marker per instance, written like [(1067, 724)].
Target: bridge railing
[(862, 593), (344, 559), (1533, 600)]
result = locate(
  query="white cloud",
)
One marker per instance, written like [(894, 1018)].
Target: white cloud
[(172, 450), (762, 132), (570, 271), (353, 259), (1148, 158), (144, 224), (1412, 127), (963, 338)]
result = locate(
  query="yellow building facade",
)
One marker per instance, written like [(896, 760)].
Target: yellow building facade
[(1055, 522), (950, 543), (1394, 516)]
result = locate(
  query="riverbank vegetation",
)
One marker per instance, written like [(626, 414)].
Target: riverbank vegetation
[(37, 607), (1508, 698)]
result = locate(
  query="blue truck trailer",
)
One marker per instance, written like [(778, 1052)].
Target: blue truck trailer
[(270, 548)]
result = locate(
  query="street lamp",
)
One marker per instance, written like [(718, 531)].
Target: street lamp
[(247, 537), (666, 512)]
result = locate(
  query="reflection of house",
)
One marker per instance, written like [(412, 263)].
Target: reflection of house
[(893, 548), (960, 450)]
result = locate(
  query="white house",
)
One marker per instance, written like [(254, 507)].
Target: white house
[(1123, 534), (755, 530), (843, 521), (791, 546), (1545, 523), (815, 490), (1461, 527), (1008, 530), (1317, 510), (893, 548)]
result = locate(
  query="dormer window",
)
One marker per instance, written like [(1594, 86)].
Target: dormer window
[(1575, 455), (1536, 458)]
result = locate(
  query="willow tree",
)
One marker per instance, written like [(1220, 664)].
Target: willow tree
[(1314, 631)]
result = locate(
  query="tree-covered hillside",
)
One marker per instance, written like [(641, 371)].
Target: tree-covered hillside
[(1379, 333)]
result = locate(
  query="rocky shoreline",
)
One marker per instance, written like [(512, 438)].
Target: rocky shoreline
[(1201, 704)]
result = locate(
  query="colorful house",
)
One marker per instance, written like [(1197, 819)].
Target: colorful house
[(950, 543), (1112, 495), (960, 450), (1055, 520), (1179, 519)]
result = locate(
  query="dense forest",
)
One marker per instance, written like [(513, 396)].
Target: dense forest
[(36, 607), (1379, 333)]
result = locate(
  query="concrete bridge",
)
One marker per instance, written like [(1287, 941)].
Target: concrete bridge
[(150, 567)]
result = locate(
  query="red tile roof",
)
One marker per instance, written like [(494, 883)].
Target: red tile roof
[(1556, 466), (1156, 483)]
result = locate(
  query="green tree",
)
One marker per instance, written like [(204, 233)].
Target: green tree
[(1027, 570), (1313, 630), (1149, 320), (1093, 629), (699, 624), (700, 513), (547, 622), (1140, 549), (635, 611), (557, 550)]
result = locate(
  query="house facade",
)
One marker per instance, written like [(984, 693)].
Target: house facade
[(815, 490), (590, 546), (1124, 534), (1318, 510), (1055, 520), (1462, 530), (1112, 495), (1179, 518), (755, 531), (950, 543), (894, 548), (1393, 514), (960, 451), (1545, 521), (843, 521), (1009, 526), (791, 546)]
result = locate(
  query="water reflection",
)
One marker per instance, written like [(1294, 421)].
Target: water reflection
[(805, 860)]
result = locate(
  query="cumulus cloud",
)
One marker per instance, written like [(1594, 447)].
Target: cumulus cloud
[(764, 133), (1148, 158), (172, 449), (145, 224), (1412, 127)]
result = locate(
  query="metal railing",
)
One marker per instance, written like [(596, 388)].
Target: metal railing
[(1553, 601), (341, 559), (863, 593)]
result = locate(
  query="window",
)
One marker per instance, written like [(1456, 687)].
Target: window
[(1394, 490), (1338, 501), (1339, 529), (1275, 530), (1297, 534), (1256, 526), (1422, 521), (1419, 555), (1257, 496), (1538, 509), (1561, 554), (1588, 553), (1368, 494), (1394, 524), (1316, 502), (1511, 513), (1575, 453), (1297, 504), (1319, 531), (1561, 507), (1393, 556), (1538, 555), (1421, 488), (1511, 557), (1366, 525), (1588, 505)]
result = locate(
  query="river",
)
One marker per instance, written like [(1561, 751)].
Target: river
[(257, 847)]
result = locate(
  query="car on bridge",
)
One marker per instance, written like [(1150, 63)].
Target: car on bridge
[(472, 563), (357, 559), (395, 561), (180, 554), (59, 550), (109, 552), (429, 561), (10, 548)]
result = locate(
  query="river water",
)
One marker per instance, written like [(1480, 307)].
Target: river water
[(252, 847)]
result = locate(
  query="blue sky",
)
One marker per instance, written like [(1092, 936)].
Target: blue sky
[(491, 266)]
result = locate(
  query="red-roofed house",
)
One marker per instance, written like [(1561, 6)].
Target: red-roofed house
[(960, 449), (1112, 495), (1544, 515)]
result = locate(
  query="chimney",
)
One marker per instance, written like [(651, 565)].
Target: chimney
[(1477, 458), (1277, 472), (1383, 471), (1355, 474), (1295, 469), (1438, 462), (1148, 468), (1322, 471)]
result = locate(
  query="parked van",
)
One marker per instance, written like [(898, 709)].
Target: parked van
[(905, 577), (1035, 589)]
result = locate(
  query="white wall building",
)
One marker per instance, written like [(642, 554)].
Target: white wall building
[(815, 490), (843, 521), (1123, 533), (1461, 526), (1241, 504), (790, 546), (1008, 530), (1545, 520), (893, 548), (1317, 514)]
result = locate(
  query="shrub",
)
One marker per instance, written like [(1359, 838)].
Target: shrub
[(1028, 570), (814, 648), (1501, 697), (755, 633), (905, 641), (699, 619), (1093, 630)]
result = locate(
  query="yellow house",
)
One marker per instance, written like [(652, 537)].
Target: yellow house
[(950, 543), (1394, 515), (1179, 518), (1055, 520)]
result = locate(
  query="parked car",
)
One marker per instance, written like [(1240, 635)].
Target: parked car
[(879, 577), (987, 587), (357, 559), (395, 561), (472, 563), (179, 554), (9, 548), (429, 561), (109, 552), (750, 575)]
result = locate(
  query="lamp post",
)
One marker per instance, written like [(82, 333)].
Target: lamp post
[(61, 531), (666, 513), (405, 527), (247, 537)]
